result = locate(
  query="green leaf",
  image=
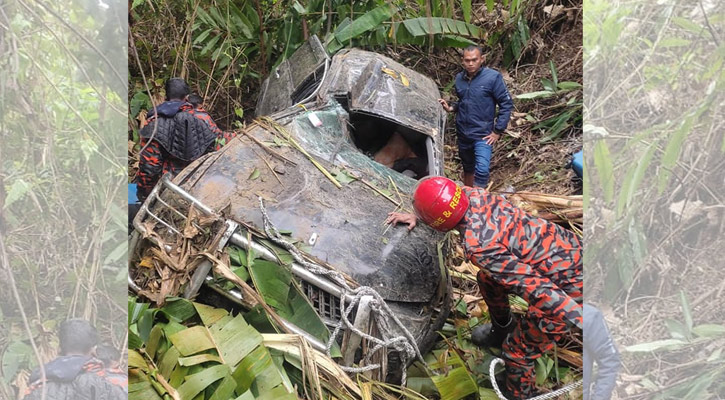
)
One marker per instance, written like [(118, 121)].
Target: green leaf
[(276, 286), (192, 340), (668, 344), (210, 315), (453, 41), (536, 95), (136, 360), (365, 23), (154, 342), (225, 389), (17, 355), (239, 112), (456, 384), (134, 341), (199, 359), (422, 27), (688, 25), (344, 177), (254, 175), (567, 85), (299, 8), (259, 368), (677, 329), (196, 383), (634, 179), (235, 339), (548, 85), (604, 168), (179, 309), (237, 256), (461, 307), (709, 330), (139, 101), (490, 4), (554, 76), (17, 191), (672, 152), (686, 310), (673, 42), (202, 36), (541, 371), (466, 8), (211, 44), (168, 361)]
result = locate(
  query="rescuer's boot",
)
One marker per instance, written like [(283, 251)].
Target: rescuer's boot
[(492, 334)]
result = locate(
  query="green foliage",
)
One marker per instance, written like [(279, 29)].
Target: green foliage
[(220, 358), (62, 169), (17, 355), (569, 111)]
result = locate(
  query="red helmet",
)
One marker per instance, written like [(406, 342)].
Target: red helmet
[(440, 203)]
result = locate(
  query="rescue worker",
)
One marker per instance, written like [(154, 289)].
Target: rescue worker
[(479, 90), (599, 348), (175, 134), (109, 356), (517, 253), (75, 374)]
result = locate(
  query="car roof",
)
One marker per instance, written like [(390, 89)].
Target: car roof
[(377, 85)]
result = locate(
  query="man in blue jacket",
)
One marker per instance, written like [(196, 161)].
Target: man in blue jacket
[(479, 90), (600, 349)]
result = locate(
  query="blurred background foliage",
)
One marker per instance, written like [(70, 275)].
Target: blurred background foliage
[(655, 219), (63, 81)]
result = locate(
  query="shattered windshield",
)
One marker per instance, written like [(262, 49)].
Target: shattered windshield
[(332, 142)]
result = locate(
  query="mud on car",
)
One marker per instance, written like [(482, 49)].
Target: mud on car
[(310, 160)]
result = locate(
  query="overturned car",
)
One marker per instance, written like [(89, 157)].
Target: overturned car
[(338, 144)]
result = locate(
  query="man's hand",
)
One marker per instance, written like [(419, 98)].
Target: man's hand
[(445, 105), (402, 218), (492, 138)]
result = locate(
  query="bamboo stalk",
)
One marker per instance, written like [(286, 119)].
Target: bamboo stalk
[(267, 148), (552, 200), (278, 128), (371, 186)]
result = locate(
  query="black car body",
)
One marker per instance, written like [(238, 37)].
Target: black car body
[(340, 111)]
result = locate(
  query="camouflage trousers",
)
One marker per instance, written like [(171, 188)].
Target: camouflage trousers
[(533, 335)]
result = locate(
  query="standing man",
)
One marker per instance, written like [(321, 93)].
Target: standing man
[(479, 90), (599, 348), (75, 374), (175, 134), (517, 253)]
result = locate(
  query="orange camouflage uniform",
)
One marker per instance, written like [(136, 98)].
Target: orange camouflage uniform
[(155, 160), (532, 258)]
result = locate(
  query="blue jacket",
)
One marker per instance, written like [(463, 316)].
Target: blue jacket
[(477, 100), (599, 348)]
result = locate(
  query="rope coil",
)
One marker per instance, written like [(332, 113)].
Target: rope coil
[(546, 396), (405, 344)]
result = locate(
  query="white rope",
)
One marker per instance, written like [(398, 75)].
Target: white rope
[(550, 395), (405, 344)]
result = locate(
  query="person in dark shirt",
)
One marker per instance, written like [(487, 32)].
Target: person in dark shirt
[(110, 357), (197, 102), (175, 134), (75, 374), (599, 348)]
